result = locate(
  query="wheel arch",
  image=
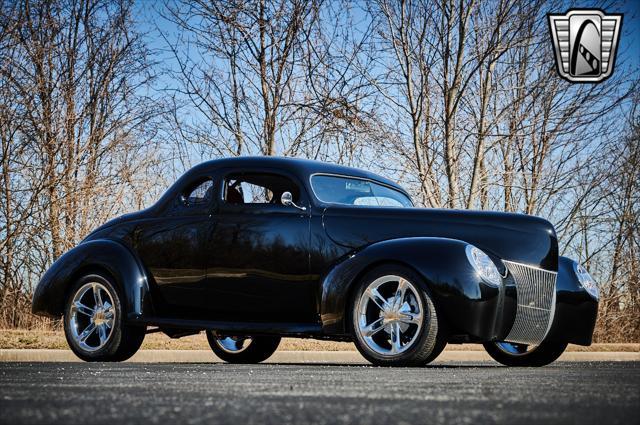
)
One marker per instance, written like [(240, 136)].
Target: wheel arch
[(87, 270), (103, 256), (467, 304)]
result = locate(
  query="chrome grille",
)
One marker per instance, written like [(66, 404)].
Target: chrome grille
[(536, 292)]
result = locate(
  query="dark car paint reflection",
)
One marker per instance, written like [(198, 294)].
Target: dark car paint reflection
[(212, 264)]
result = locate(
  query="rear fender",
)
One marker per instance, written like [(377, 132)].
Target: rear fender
[(469, 305), (102, 254)]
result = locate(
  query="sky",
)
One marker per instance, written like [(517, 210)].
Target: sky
[(628, 56), (630, 37), (629, 47)]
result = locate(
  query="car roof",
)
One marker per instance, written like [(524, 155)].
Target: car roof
[(302, 167)]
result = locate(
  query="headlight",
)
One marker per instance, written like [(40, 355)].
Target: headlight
[(483, 265), (586, 280)]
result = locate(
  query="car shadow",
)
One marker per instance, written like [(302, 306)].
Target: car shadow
[(340, 365)]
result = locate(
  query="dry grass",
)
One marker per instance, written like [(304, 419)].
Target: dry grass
[(55, 340)]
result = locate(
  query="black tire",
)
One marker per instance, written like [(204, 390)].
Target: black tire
[(437, 350), (430, 341), (124, 339), (259, 349), (545, 353)]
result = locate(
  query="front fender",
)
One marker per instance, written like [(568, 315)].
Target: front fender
[(102, 254), (468, 305), (576, 311)]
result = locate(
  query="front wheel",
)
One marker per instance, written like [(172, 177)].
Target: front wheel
[(242, 349), (394, 319), (522, 355)]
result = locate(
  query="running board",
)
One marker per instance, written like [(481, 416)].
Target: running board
[(276, 328)]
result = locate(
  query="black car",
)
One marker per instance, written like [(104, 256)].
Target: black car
[(253, 249)]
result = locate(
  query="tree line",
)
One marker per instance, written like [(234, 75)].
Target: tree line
[(104, 103)]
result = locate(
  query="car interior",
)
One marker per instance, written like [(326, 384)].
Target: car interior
[(258, 188)]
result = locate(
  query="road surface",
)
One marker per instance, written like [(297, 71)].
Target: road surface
[(481, 392)]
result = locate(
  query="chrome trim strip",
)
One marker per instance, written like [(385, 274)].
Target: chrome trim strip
[(530, 266), (553, 313)]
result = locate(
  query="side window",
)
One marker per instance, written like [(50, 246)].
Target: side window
[(200, 194), (258, 188)]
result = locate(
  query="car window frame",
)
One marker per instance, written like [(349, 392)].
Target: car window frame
[(224, 174), (347, 176), (179, 206)]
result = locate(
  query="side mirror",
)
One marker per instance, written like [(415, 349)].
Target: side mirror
[(184, 200), (287, 200)]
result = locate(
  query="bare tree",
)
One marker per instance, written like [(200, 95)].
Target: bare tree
[(73, 125), (607, 230), (457, 100), (243, 72)]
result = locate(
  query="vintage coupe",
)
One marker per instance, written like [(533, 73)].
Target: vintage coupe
[(253, 249)]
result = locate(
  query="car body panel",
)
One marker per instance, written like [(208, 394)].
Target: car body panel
[(576, 310), (99, 255), (247, 278), (517, 237), (468, 304)]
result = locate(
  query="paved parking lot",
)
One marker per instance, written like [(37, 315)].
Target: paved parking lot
[(456, 392)]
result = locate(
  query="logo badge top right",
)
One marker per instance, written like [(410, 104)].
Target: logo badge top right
[(585, 43)]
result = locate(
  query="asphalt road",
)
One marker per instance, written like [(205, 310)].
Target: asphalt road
[(82, 393)]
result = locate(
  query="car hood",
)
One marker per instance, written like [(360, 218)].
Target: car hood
[(515, 237)]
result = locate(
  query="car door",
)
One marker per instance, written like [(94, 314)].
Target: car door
[(258, 263), (173, 249)]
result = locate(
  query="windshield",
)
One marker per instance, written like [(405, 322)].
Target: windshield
[(357, 191)]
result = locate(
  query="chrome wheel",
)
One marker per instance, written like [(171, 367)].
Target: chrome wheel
[(390, 315), (525, 355), (92, 316), (233, 344), (515, 349)]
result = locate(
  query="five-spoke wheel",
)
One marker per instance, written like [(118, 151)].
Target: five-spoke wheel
[(92, 316), (93, 322), (390, 323), (394, 319)]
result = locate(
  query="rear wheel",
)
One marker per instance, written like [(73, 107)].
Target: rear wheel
[(94, 322), (394, 319), (523, 355), (242, 349)]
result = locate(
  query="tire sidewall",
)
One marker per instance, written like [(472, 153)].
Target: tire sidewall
[(110, 349), (429, 336)]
